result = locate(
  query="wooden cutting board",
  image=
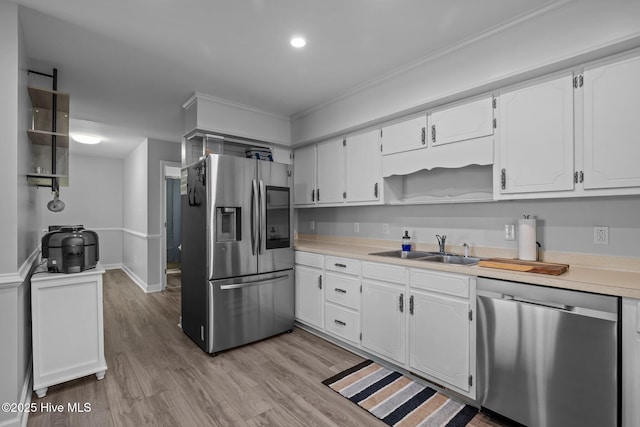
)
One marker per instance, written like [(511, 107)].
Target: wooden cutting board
[(526, 266)]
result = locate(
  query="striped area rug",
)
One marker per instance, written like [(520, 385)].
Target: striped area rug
[(397, 400)]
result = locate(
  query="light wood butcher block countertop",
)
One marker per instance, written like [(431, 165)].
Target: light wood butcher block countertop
[(615, 276)]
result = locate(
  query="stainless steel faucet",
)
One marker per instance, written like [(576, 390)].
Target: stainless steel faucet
[(441, 240)]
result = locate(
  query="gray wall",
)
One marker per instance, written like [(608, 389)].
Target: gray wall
[(564, 225), (135, 213), (159, 151), (142, 239), (93, 198), (18, 216)]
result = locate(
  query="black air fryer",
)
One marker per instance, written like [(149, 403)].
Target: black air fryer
[(70, 249)]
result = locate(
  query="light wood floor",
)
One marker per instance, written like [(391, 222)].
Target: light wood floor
[(158, 376)]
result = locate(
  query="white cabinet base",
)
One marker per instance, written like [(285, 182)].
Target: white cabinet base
[(68, 333)]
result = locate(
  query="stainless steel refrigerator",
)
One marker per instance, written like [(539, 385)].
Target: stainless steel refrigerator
[(237, 251)]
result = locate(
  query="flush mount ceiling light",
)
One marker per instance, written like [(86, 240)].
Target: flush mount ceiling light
[(298, 42), (86, 139)]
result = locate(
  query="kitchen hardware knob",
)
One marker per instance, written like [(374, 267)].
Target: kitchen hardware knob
[(342, 291), (424, 136), (318, 194), (433, 133), (411, 304), (575, 177), (503, 179), (340, 265), (313, 195), (401, 303), (339, 322), (320, 282), (581, 176), (375, 190)]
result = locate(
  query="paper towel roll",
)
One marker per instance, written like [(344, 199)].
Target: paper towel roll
[(527, 239)]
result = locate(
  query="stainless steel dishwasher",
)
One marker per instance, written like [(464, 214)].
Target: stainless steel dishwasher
[(548, 357)]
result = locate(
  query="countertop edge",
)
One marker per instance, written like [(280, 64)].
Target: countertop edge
[(612, 282)]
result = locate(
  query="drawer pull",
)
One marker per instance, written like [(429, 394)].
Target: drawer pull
[(342, 291), (337, 264), (320, 282), (339, 322)]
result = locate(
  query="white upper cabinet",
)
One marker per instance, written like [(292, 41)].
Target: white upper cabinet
[(330, 172), (461, 122), (363, 167), (612, 124), (405, 136), (535, 128), (304, 177)]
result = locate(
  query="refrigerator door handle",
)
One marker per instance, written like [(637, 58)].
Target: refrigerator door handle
[(254, 282), (262, 243), (254, 214)]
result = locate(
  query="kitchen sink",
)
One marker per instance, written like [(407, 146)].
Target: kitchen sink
[(406, 255), (451, 259), (445, 258)]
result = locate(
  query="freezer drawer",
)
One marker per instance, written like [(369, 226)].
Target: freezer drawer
[(247, 309)]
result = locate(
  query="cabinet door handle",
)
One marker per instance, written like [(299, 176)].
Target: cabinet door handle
[(313, 195), (342, 291), (320, 282), (318, 194), (433, 133), (340, 265), (339, 322), (575, 177), (424, 136), (411, 304), (581, 176), (401, 303), (375, 190), (503, 179)]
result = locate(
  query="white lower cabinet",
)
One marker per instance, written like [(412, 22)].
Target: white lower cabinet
[(68, 332), (309, 298), (439, 338), (442, 328), (342, 298), (342, 322), (384, 319), (630, 362), (421, 320)]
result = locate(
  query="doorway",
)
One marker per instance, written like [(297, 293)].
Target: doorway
[(171, 239), (173, 225)]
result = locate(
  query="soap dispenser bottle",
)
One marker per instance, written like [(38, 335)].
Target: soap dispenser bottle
[(406, 243)]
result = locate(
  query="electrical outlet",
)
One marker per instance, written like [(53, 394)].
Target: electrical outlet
[(509, 232), (601, 235), (356, 227), (385, 228)]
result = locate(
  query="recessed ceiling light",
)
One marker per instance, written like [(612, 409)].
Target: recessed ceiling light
[(86, 139), (298, 42)]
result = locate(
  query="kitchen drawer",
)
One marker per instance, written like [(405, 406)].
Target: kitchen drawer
[(343, 290), (384, 272), (343, 265), (310, 259), (445, 283), (342, 322)]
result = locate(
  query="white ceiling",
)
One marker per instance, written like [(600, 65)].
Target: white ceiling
[(130, 65)]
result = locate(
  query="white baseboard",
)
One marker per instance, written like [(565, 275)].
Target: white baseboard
[(113, 266), (146, 288)]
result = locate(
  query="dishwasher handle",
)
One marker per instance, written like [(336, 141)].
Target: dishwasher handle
[(575, 310), (542, 304)]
